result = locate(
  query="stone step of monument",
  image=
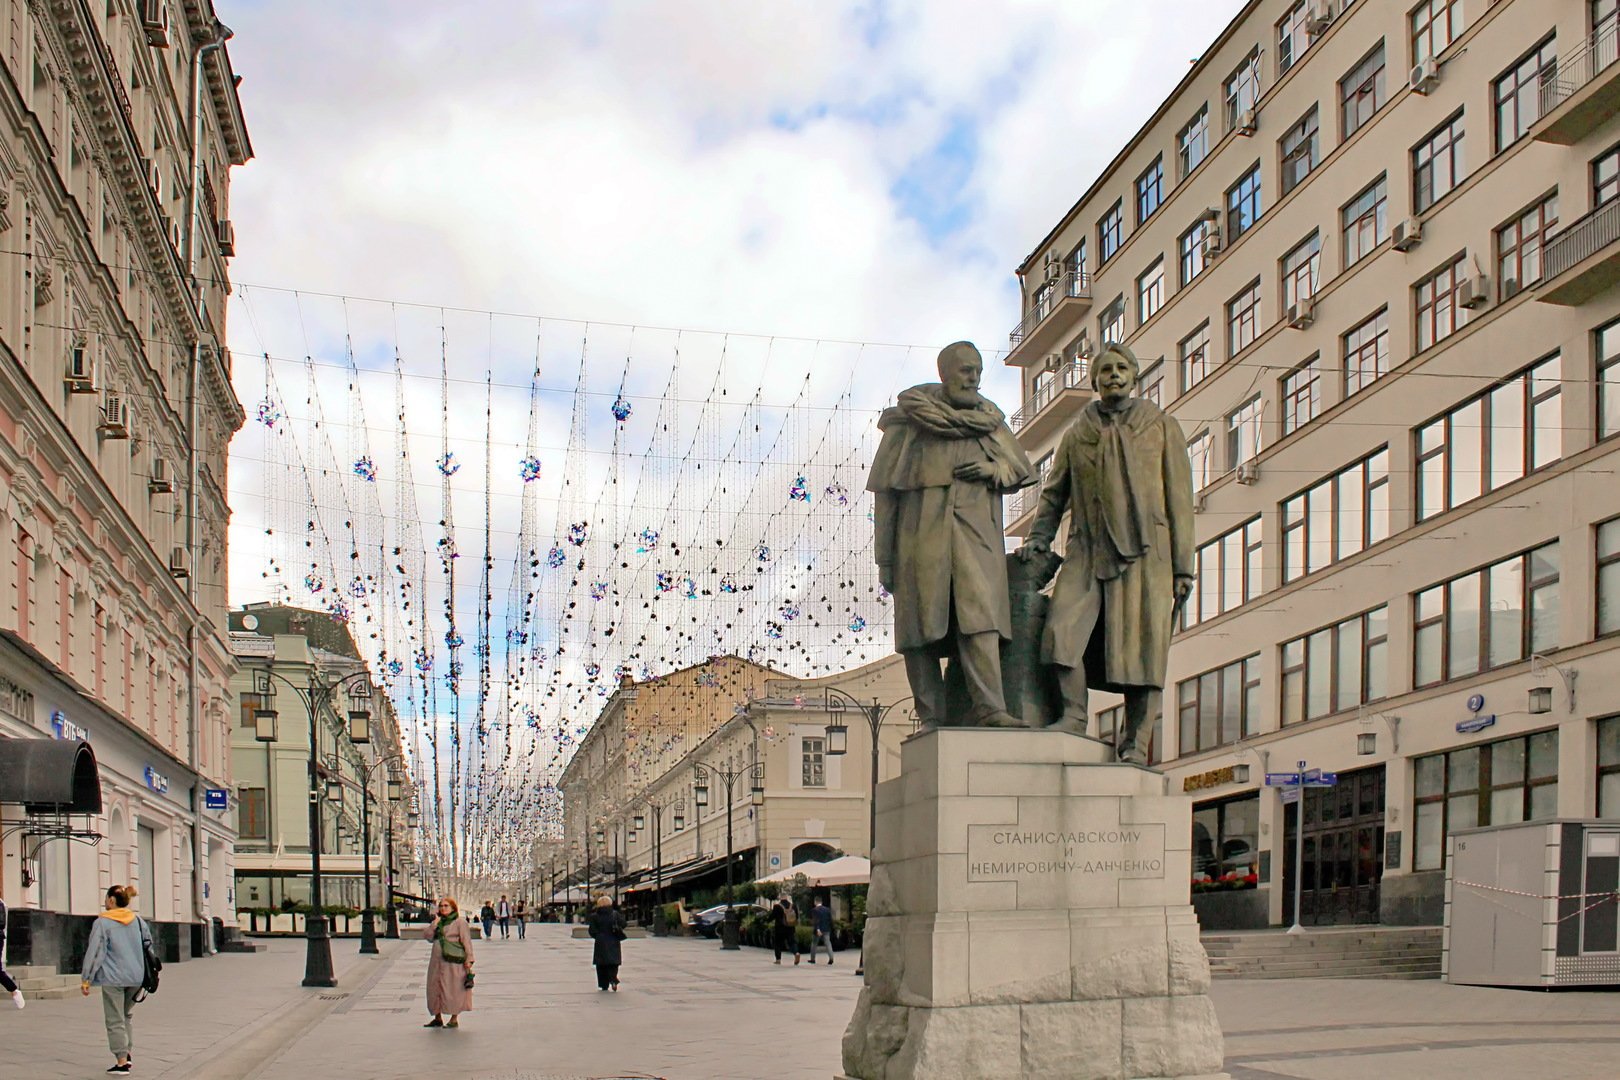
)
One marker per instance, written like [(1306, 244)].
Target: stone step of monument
[(1359, 970), (1327, 939)]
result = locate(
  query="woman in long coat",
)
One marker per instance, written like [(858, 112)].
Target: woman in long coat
[(447, 989), (606, 927)]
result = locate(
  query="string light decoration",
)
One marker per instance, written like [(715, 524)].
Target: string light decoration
[(671, 539)]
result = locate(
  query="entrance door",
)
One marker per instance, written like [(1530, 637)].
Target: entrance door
[(146, 852), (1344, 851)]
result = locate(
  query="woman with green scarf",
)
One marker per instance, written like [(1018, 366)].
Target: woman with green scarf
[(450, 967)]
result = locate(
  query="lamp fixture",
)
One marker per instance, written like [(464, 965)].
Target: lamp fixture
[(1540, 700), (394, 789), (837, 738), (638, 823), (359, 727), (334, 790), (264, 725), (1538, 668), (1367, 743)]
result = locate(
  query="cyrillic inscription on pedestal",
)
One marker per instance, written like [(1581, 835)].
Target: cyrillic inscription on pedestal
[(1066, 853)]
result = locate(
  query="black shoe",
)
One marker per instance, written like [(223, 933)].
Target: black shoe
[(124, 1068), (435, 1022)]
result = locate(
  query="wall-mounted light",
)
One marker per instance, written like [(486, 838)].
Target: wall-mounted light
[(1540, 700), (264, 725), (1367, 743)]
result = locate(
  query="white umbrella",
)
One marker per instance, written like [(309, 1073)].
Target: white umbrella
[(790, 872), (844, 870)]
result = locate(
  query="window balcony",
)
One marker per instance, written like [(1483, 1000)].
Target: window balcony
[(1583, 259), (1055, 401), (1021, 506), (1051, 320), (1582, 91)]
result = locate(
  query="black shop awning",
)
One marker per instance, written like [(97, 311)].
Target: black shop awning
[(50, 776)]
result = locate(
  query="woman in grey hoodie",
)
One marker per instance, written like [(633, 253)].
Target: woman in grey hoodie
[(115, 960)]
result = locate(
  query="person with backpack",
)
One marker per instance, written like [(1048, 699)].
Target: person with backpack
[(6, 981), (115, 960), (785, 927)]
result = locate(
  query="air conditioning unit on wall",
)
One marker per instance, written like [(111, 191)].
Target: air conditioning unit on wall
[(1407, 235), (1425, 76), (155, 22), (1475, 292), (114, 416), (179, 562), (1302, 313)]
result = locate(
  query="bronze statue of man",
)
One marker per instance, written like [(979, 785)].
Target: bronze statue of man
[(1122, 473), (945, 460)]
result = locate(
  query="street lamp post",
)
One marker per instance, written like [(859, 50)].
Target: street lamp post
[(315, 696), (838, 744), (728, 777), (368, 921)]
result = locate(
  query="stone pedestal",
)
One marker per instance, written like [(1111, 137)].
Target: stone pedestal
[(1029, 917)]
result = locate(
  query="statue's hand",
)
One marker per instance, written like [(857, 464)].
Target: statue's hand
[(1184, 587), (978, 472), (1033, 549)]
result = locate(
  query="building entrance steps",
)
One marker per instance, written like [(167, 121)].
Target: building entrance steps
[(42, 982), (1390, 952)]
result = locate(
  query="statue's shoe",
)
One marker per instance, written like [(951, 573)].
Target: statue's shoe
[(999, 718), (1070, 725)]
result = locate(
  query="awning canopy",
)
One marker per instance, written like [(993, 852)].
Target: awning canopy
[(844, 870), (650, 878), (50, 776)]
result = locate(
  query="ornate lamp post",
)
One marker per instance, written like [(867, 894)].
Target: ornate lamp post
[(368, 922), (316, 696), (875, 714), (728, 776)]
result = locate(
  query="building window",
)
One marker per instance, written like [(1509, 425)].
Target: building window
[(1243, 319), (1608, 577), (1498, 783), (1300, 269), (1299, 151), (1490, 440), (1191, 250), (1452, 635), (813, 755), (1111, 323), (1435, 24), (1243, 204), (252, 819), (1519, 244), (1366, 353), (1193, 356), (1517, 93), (1608, 767), (1608, 380), (1227, 574), (1336, 668), (1219, 707), (1192, 143), (1150, 190), (1242, 89), (1110, 232), (1301, 395), (1198, 451), (1292, 37), (251, 703), (1365, 222), (1439, 314), (1438, 164), (1361, 93), (1336, 517), (1076, 263), (1150, 292), (1226, 844), (1153, 382), (1606, 178), (1243, 432)]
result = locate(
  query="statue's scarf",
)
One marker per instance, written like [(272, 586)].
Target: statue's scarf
[(1118, 500), (924, 412)]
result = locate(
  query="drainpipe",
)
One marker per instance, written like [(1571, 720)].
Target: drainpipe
[(222, 33)]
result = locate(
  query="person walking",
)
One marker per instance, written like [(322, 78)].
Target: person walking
[(784, 927), (6, 981), (519, 913), (486, 915), (821, 929), (450, 966), (606, 927), (115, 960), (503, 912)]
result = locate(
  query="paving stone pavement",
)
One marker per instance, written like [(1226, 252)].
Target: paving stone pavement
[(688, 1011)]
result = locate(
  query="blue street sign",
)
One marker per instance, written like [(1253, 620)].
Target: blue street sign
[(1476, 723), (1318, 778), (216, 799), (1281, 779)]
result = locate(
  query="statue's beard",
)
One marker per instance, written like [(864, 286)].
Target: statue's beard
[(963, 397)]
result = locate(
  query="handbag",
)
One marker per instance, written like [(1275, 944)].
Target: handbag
[(454, 952), (467, 981), (151, 963)]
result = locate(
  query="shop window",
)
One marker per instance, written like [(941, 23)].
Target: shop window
[(1226, 844), (1498, 783), (1608, 767)]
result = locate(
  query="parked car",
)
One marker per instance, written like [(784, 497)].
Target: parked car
[(707, 922)]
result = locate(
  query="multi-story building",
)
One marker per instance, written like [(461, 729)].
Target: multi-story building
[(291, 660), (119, 124), (1365, 252), (775, 792)]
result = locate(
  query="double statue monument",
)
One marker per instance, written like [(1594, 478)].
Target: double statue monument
[(1029, 911)]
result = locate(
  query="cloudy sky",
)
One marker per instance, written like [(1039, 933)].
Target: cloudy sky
[(831, 171)]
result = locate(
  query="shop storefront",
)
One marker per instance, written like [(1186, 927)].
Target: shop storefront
[(1228, 886), (1343, 851)]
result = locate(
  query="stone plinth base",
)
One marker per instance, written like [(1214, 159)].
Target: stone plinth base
[(1029, 917)]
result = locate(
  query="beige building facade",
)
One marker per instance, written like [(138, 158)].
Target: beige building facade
[(1365, 252), (119, 125)]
